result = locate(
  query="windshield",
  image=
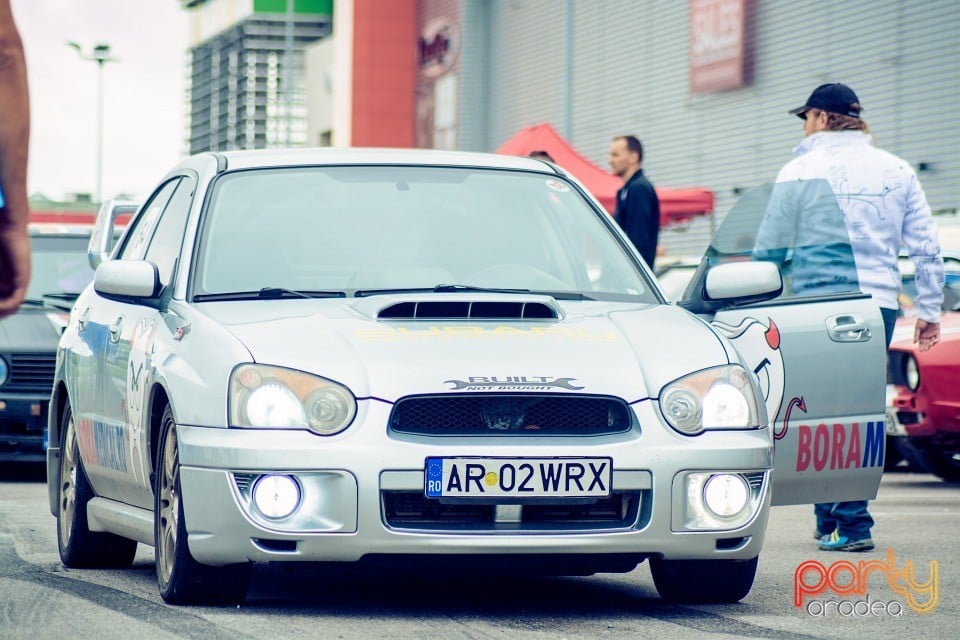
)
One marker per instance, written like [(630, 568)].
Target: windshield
[(59, 265), (381, 228), (798, 226)]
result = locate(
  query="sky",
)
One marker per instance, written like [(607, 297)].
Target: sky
[(144, 93)]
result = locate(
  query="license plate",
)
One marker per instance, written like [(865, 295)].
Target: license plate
[(518, 477)]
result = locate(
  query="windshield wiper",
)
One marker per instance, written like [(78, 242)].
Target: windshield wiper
[(559, 295), (61, 295), (267, 293), (444, 288), (440, 288)]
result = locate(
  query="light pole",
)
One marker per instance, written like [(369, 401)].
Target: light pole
[(288, 70), (101, 55)]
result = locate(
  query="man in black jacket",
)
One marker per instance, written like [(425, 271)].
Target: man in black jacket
[(638, 209)]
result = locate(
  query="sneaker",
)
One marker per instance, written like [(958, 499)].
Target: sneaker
[(836, 542), (818, 535)]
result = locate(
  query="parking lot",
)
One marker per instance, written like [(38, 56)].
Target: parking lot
[(917, 517)]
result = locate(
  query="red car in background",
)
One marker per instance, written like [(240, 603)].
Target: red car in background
[(926, 385)]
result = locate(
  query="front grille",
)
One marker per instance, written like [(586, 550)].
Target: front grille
[(755, 479), (908, 417), (31, 372), (414, 511), (510, 414), (244, 482)]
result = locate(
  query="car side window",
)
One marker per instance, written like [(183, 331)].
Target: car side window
[(137, 238), (797, 225), (167, 240)]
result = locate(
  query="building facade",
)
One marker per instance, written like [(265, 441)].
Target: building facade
[(705, 84), (484, 69), (246, 71)]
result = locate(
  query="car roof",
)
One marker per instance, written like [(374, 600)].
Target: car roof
[(256, 158)]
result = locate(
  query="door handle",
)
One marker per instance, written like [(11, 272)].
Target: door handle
[(115, 329), (848, 328), (82, 320)]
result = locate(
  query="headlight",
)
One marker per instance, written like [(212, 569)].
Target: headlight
[(911, 372), (4, 371), (718, 398), (275, 405), (262, 396)]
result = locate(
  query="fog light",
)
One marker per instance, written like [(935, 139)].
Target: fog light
[(276, 496), (726, 494)]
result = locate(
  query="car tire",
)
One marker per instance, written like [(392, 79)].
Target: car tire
[(941, 460), (79, 547), (913, 451), (181, 578), (703, 581)]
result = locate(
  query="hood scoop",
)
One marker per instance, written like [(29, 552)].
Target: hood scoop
[(469, 310)]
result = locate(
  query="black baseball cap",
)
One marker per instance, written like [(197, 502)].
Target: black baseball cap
[(835, 98)]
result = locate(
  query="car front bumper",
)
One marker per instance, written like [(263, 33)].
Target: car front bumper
[(363, 495), (922, 416), (23, 427)]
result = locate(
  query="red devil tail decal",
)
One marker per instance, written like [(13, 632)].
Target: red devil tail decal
[(795, 402)]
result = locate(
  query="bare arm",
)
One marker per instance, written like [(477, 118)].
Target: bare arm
[(14, 144)]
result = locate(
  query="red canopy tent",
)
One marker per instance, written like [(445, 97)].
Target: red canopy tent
[(676, 205)]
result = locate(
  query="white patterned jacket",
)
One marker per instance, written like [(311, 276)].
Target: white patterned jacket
[(885, 210)]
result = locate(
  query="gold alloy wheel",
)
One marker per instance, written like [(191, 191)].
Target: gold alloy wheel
[(68, 483), (168, 518)]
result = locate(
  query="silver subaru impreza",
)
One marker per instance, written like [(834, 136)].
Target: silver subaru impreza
[(386, 355)]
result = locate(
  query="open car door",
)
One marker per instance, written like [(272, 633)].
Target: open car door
[(818, 349)]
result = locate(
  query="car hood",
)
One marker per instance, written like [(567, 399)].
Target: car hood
[(31, 329), (628, 351)]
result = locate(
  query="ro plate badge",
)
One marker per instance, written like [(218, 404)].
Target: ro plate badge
[(518, 477)]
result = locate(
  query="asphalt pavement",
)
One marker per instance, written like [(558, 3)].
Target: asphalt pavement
[(910, 589)]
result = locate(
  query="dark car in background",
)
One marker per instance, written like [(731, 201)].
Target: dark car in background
[(28, 339)]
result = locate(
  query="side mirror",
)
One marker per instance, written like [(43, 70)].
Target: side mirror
[(101, 237), (743, 282), (127, 279)]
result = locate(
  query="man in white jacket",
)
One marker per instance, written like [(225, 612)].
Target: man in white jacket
[(884, 210)]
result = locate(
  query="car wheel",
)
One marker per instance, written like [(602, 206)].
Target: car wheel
[(717, 581), (79, 547), (182, 579), (914, 452)]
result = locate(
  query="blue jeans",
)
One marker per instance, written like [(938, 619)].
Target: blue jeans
[(851, 519)]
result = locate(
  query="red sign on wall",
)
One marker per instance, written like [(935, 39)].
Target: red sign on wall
[(717, 34)]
